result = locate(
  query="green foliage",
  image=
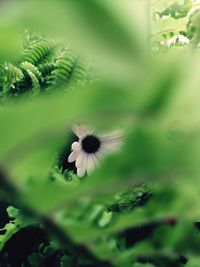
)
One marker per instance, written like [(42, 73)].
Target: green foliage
[(193, 26), (45, 64), (10, 75), (176, 10), (173, 24)]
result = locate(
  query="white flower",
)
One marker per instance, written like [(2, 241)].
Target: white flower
[(90, 148), (180, 39), (183, 40), (171, 41)]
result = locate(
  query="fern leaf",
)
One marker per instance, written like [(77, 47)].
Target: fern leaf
[(9, 76), (41, 52), (64, 67)]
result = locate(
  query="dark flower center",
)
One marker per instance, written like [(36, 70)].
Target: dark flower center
[(90, 144)]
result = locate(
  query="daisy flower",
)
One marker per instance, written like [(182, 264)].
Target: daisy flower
[(183, 40), (90, 148), (178, 39)]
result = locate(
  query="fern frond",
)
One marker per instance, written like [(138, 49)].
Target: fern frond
[(64, 66), (41, 52), (80, 72), (31, 68), (9, 76), (46, 65), (34, 75), (46, 71), (30, 40)]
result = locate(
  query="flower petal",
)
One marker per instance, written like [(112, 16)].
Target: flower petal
[(99, 155), (82, 169), (81, 130), (76, 146), (73, 156), (92, 162), (110, 146), (80, 159), (115, 135), (111, 142)]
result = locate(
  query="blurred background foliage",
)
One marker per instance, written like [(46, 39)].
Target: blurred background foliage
[(111, 64)]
